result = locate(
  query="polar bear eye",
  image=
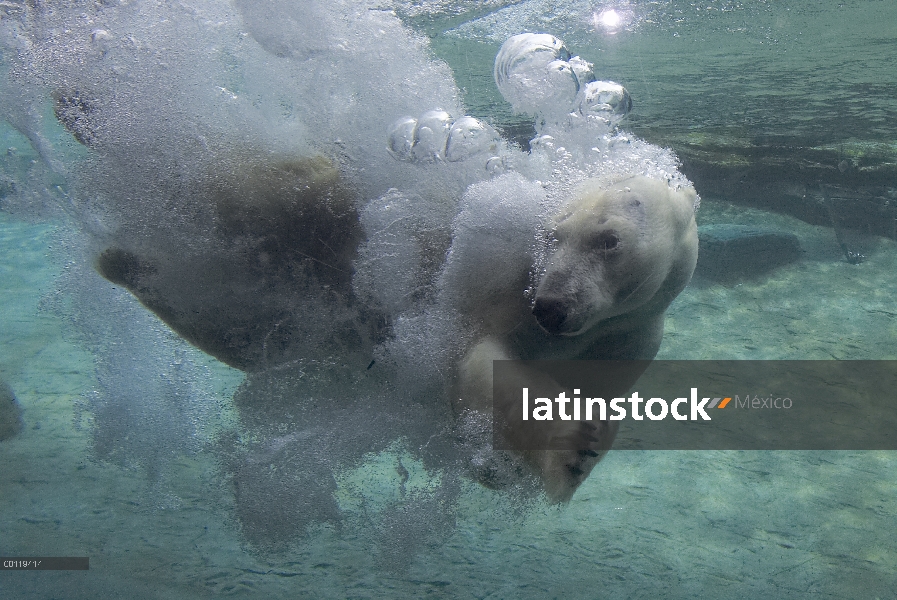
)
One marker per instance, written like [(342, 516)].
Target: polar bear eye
[(604, 241)]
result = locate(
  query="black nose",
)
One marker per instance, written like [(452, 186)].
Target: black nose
[(550, 314)]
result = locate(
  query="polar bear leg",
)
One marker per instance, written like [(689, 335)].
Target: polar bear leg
[(584, 443), (563, 471), (474, 390)]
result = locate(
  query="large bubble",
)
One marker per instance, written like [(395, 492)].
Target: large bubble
[(533, 74), (604, 101), (538, 76)]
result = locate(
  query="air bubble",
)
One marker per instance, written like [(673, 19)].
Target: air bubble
[(401, 138), (532, 72), (542, 142), (431, 136), (469, 137), (495, 166), (100, 35), (583, 70), (604, 101)]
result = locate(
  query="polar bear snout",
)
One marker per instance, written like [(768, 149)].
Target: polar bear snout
[(551, 314)]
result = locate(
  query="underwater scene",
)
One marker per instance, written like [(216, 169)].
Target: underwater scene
[(262, 262)]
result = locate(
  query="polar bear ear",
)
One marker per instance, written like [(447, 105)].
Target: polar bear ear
[(685, 201), (695, 198), (692, 196)]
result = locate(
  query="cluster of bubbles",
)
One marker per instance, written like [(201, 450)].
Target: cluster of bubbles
[(435, 137), (537, 75), (575, 116)]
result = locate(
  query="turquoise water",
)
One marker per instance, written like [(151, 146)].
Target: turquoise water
[(671, 524), (147, 492)]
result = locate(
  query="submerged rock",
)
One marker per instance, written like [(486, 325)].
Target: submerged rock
[(728, 252), (10, 413)]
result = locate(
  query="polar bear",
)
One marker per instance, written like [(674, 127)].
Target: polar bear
[(621, 255), (279, 242)]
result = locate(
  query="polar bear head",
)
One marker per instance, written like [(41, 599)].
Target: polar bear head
[(624, 248)]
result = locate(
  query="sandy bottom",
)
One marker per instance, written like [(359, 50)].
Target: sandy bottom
[(672, 524)]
